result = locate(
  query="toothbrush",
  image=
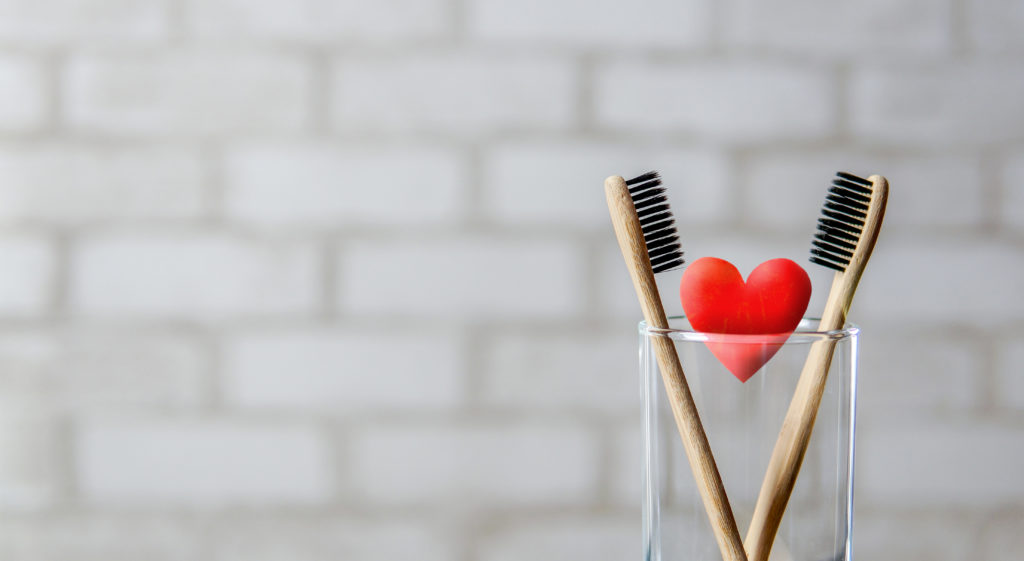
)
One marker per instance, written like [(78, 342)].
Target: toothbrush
[(647, 236), (846, 236)]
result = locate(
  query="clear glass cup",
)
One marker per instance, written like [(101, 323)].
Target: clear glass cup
[(742, 422)]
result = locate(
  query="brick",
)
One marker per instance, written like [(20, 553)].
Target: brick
[(734, 101), (77, 183), (464, 279), (514, 194), (562, 372), (29, 267), (950, 105), (903, 376), (600, 539), (459, 94), (894, 286), (1009, 357), (327, 539), (878, 27), (199, 276), (786, 191), (343, 371), (627, 466), (200, 464), (61, 21), (914, 537), (23, 97), (97, 536), (332, 186), (319, 21), (30, 470), (648, 23), (1003, 539), (1011, 207), (899, 465), (187, 92), (463, 467), (996, 26), (97, 370)]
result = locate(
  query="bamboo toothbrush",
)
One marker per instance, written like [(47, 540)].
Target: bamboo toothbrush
[(846, 235), (647, 236)]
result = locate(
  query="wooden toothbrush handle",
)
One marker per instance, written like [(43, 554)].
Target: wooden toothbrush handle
[(698, 451), (695, 441), (795, 435)]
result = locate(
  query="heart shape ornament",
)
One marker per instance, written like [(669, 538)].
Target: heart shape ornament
[(770, 303)]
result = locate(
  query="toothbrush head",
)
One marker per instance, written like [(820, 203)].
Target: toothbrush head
[(853, 206), (656, 222)]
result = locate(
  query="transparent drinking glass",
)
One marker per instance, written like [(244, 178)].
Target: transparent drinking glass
[(742, 421)]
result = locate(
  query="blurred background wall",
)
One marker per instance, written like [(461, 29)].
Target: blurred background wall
[(328, 279)]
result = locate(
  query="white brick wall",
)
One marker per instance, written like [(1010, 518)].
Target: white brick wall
[(916, 375), (607, 24), (27, 284), (519, 465), (516, 193), (23, 94), (627, 451), (881, 28), (187, 92), (29, 467), (950, 105), (915, 536), (61, 21), (729, 101), (204, 277), (318, 21), (598, 539), (785, 191), (1009, 357), (936, 280), (119, 183), (201, 464), (559, 372), (460, 94), (117, 538), (327, 279), (996, 26), (459, 278), (1003, 539), (93, 370), (337, 186), (915, 464), (331, 539), (343, 371), (1011, 211)]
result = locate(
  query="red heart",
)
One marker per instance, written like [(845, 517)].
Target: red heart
[(770, 303)]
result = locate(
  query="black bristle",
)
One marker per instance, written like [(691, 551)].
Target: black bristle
[(855, 188), (649, 176), (835, 240), (649, 197), (854, 178), (842, 221), (852, 199), (656, 221), (840, 206)]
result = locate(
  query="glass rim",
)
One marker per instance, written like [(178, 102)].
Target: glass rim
[(800, 335)]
